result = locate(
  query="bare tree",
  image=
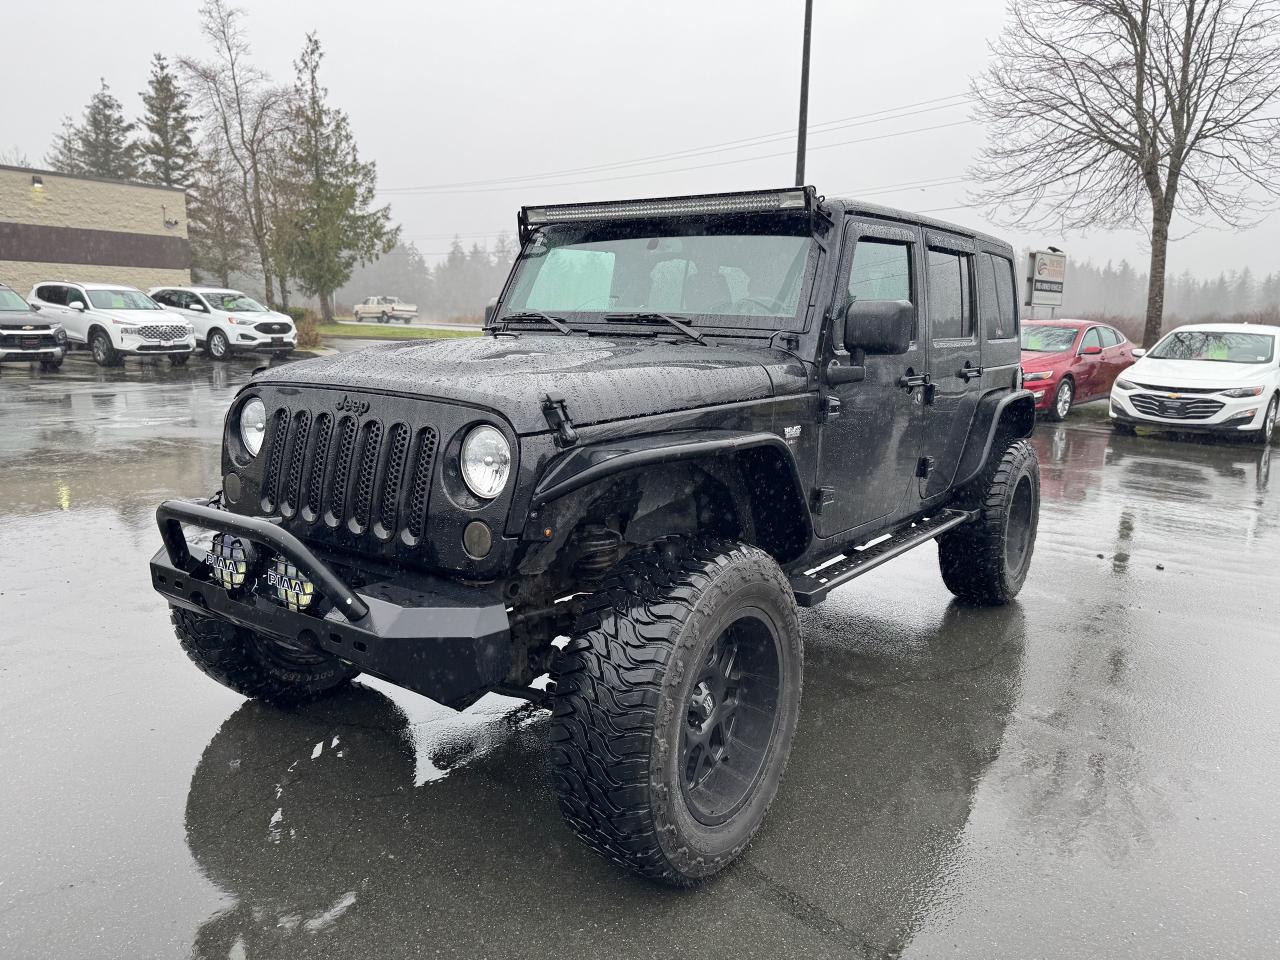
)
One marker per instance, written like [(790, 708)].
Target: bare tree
[(1108, 113), (243, 109)]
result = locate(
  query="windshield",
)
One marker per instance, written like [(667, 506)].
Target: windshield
[(1048, 339), (121, 300), (233, 302), (11, 302), (716, 273), (1216, 347)]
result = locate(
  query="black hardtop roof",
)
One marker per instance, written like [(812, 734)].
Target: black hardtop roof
[(851, 205)]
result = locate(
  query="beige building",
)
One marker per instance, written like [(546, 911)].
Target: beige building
[(59, 227)]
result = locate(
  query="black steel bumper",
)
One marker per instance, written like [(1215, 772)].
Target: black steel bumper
[(445, 640)]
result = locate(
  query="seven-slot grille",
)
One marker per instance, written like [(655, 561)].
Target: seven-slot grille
[(338, 470), (163, 331), (1196, 408)]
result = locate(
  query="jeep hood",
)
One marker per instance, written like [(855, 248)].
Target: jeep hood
[(601, 379)]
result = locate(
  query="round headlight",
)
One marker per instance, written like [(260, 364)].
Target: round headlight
[(253, 425), (486, 461)]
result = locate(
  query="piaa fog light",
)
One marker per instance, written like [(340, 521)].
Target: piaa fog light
[(291, 586), (229, 558)]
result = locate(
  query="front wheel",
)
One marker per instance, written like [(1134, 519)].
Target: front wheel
[(1062, 400), (383, 318), (218, 346), (257, 666), (104, 352), (1268, 427), (675, 706), (986, 562)]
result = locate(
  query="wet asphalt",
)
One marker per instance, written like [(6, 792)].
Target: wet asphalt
[(1089, 772)]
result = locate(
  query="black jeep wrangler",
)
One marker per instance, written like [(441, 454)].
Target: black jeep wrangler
[(689, 416)]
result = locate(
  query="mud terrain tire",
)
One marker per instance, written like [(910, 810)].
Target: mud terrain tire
[(685, 642), (257, 666), (986, 562)]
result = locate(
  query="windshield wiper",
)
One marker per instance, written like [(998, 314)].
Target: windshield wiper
[(678, 322), (534, 315)]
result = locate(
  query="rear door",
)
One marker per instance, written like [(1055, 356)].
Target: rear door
[(955, 355), (871, 440)]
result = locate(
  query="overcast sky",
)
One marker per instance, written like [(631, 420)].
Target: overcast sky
[(449, 97)]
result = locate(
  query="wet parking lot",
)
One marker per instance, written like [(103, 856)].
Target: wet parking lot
[(1089, 772)]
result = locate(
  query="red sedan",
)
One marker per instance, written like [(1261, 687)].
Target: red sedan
[(1065, 362)]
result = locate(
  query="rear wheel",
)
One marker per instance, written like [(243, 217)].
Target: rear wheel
[(1062, 400), (986, 561), (383, 318), (676, 702), (258, 666), (1268, 427)]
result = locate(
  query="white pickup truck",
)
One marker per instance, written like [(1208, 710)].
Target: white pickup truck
[(385, 309)]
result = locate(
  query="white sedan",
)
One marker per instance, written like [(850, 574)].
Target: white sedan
[(1205, 378)]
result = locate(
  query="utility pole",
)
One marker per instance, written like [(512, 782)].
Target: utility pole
[(804, 94)]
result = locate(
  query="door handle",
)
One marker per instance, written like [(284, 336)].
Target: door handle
[(967, 373), (911, 381)]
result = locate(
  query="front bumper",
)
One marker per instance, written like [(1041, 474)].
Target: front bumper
[(440, 638), (133, 344), (266, 342), (39, 353), (1236, 415), (1044, 391)]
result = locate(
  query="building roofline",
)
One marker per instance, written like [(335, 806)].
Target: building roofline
[(80, 176)]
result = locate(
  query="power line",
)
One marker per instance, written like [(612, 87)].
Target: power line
[(701, 166), (878, 116)]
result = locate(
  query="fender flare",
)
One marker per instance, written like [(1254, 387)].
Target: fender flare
[(1013, 414), (587, 464)]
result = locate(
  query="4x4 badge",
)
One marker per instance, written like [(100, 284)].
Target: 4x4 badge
[(347, 405)]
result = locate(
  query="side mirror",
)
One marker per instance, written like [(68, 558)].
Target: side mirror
[(77, 305), (1139, 352), (199, 307), (878, 326), (1090, 351), (34, 306), (489, 309)]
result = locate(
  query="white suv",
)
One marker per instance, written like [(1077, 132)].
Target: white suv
[(1205, 378), (228, 321), (114, 321)]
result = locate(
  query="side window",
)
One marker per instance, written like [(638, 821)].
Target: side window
[(52, 293), (950, 296), (165, 298), (75, 295), (988, 303), (1007, 294), (881, 270), (1109, 337), (1091, 339)]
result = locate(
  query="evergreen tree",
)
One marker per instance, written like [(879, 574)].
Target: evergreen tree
[(100, 145), (335, 227), (168, 150)]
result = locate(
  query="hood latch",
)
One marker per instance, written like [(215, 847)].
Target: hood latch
[(557, 414)]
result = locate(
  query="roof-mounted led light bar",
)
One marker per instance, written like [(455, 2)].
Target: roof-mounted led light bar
[(751, 201)]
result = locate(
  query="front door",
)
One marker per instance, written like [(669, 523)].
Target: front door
[(955, 356), (870, 441)]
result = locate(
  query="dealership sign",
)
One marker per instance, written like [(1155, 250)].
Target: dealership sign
[(1046, 273)]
